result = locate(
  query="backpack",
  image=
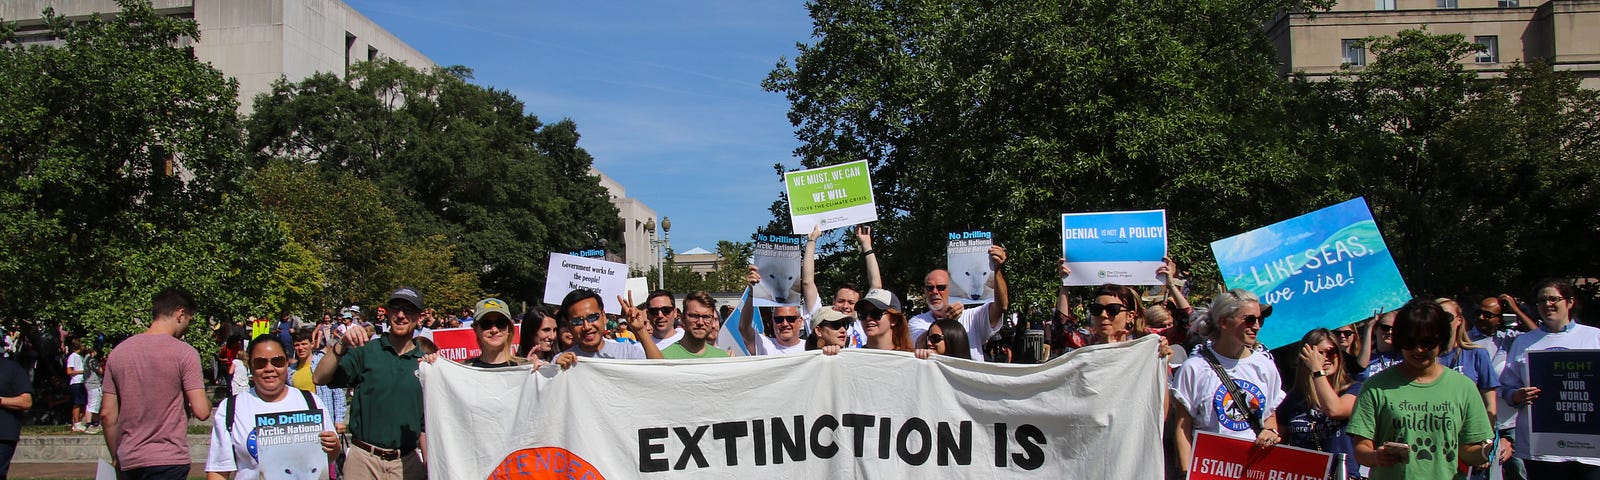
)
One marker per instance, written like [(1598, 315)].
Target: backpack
[(233, 402)]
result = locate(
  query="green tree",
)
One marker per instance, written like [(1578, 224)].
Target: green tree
[(452, 160), (977, 115), (120, 161)]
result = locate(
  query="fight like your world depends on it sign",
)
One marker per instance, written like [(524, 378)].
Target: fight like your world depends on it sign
[(1327, 268)]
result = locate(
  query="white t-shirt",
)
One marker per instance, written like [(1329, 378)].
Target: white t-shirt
[(241, 376), (663, 343), (1505, 414), (612, 349), (238, 451), (975, 319), (768, 346), (75, 362), (1576, 336), (1198, 388)]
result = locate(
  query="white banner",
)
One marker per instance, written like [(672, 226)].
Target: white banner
[(1093, 413), (568, 272)]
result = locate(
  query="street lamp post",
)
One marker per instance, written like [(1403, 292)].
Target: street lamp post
[(665, 241)]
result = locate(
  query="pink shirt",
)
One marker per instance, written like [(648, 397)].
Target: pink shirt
[(149, 373)]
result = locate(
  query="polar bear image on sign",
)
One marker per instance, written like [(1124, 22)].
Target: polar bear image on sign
[(293, 461), (780, 281), (971, 279)]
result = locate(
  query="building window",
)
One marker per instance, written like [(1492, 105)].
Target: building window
[(1491, 48), (1384, 5), (349, 44), (1510, 3), (1355, 54), (372, 53), (1447, 4)]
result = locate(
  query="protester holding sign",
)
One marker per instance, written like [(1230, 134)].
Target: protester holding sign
[(1558, 305), (1321, 399), (256, 428), (1418, 419), (846, 296), (1228, 388), (980, 322), (786, 329)]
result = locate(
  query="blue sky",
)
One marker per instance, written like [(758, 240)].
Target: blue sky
[(667, 95)]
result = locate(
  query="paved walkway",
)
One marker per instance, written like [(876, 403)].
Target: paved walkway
[(74, 470)]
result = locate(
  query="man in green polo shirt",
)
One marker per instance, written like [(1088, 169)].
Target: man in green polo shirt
[(699, 321), (386, 409)]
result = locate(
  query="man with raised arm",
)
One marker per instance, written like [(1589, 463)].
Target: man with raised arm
[(980, 322)]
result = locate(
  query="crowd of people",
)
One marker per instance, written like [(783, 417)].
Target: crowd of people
[(1350, 391)]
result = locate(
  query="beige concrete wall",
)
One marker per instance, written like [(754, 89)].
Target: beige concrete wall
[(1316, 42), (27, 12), (1365, 5)]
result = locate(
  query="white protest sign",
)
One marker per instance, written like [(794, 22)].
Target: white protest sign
[(639, 288), (1092, 413), (967, 258), (569, 272), (777, 257), (830, 197)]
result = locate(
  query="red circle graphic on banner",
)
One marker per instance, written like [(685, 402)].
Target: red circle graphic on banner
[(544, 463)]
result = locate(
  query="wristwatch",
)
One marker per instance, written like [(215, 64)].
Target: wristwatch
[(1319, 373)]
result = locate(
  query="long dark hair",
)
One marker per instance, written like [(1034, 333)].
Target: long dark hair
[(955, 338), (532, 322)]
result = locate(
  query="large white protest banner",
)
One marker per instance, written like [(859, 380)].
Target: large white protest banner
[(1092, 413), (571, 272)]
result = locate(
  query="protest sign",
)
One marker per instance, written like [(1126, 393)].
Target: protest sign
[(589, 253), (288, 442), (1327, 268), (777, 257), (1114, 247), (638, 289), (1092, 413), (460, 344), (1218, 457), (568, 273), (830, 197), (971, 278), (1565, 422)]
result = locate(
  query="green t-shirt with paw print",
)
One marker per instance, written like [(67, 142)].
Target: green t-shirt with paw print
[(1435, 418)]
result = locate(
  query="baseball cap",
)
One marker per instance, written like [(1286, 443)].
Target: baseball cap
[(347, 314), (882, 300), (410, 295), (828, 314), (490, 305)]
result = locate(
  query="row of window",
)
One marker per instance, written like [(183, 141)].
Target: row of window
[(1356, 55), (1389, 4)]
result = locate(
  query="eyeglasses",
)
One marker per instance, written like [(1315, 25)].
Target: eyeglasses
[(593, 317), (1249, 320), (703, 317), (499, 323), (934, 338), (786, 319), (1385, 328), (936, 288), (1551, 299), (658, 311), (1112, 310), (1344, 333), (279, 361)]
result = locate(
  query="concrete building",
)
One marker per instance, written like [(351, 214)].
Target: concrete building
[(1565, 33), (699, 260), (254, 41), (635, 241)]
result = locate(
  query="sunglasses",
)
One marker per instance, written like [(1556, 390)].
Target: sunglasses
[(657, 311), (502, 324), (836, 325), (1112, 310), (934, 338), (279, 361), (1344, 333), (1385, 328), (1249, 320), (1484, 314), (593, 317), (786, 319), (935, 288), (1427, 343)]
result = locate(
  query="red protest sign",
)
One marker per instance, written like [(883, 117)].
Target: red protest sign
[(1217, 457), (459, 344)]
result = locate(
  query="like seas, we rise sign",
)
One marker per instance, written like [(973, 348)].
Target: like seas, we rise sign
[(1327, 268)]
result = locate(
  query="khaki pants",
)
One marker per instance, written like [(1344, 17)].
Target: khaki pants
[(363, 465)]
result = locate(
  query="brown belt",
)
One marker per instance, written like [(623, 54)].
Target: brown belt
[(388, 454)]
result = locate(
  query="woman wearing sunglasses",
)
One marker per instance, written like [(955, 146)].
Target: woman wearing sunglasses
[(941, 335), (241, 449), (1378, 352), (1418, 418), (1227, 387), (1557, 304), (1321, 399)]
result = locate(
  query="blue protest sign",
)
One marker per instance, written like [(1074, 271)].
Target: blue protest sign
[(1564, 419), (1114, 247), (1327, 268)]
